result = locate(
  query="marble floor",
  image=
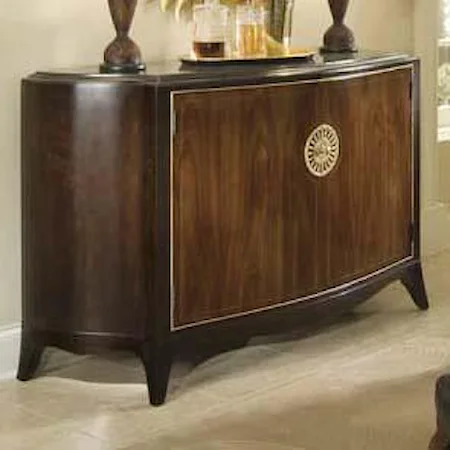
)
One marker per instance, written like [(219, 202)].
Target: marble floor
[(366, 382)]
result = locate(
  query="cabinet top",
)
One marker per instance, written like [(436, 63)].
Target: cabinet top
[(176, 73)]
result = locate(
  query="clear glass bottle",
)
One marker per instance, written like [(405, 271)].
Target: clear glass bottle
[(210, 29)]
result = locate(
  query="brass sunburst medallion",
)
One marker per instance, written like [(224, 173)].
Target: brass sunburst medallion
[(322, 150)]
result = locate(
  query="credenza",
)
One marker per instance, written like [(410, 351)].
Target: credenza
[(210, 203)]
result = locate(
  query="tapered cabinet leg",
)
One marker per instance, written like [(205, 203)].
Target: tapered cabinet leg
[(30, 357), (157, 360), (413, 282)]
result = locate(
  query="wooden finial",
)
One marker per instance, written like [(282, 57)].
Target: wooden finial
[(122, 55)]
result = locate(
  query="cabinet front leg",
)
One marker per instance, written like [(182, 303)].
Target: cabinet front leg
[(412, 279), (157, 360), (30, 357)]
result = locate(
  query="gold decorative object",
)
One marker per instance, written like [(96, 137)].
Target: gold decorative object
[(285, 55), (322, 150)]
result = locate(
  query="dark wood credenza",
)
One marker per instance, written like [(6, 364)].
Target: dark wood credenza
[(210, 204)]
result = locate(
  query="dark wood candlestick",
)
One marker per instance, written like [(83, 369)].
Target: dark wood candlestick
[(338, 38), (122, 55)]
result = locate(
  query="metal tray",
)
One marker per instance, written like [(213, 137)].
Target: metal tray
[(293, 55)]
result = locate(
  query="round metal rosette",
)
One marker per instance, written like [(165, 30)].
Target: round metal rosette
[(322, 150)]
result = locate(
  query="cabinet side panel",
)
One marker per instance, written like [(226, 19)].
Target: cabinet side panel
[(365, 204), (243, 206), (85, 159)]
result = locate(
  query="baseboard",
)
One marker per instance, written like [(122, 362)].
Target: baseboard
[(435, 228), (9, 350)]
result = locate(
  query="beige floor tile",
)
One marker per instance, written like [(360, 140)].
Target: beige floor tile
[(123, 427), (73, 441), (213, 444), (21, 429), (126, 427), (58, 400), (316, 415), (18, 425)]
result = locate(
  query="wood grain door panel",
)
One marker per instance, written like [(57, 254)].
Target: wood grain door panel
[(365, 204), (243, 206), (252, 228)]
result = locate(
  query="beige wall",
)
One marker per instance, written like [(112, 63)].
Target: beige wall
[(435, 214), (425, 45), (54, 33), (381, 24)]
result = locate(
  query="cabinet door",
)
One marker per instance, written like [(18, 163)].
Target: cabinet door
[(243, 205), (364, 208), (252, 227)]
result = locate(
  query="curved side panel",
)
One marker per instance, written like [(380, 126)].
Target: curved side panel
[(84, 161)]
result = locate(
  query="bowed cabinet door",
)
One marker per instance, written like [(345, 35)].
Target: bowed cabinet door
[(364, 211), (243, 205), (252, 225)]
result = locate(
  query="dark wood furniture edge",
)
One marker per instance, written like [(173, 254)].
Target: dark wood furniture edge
[(439, 441), (232, 75), (441, 438), (412, 278)]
